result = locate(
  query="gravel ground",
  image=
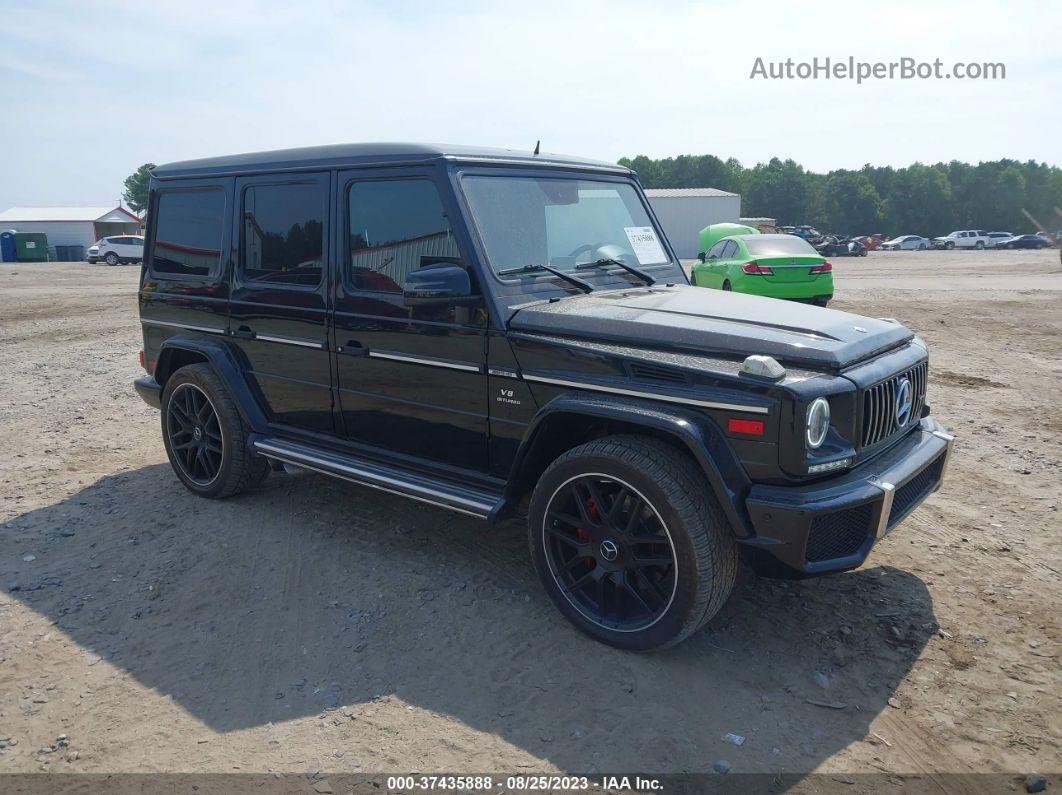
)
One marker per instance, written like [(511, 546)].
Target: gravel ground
[(317, 625)]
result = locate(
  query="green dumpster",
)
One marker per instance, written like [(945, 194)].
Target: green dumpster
[(31, 247)]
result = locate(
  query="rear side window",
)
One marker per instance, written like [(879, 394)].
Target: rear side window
[(717, 250), (395, 226), (188, 232), (283, 233)]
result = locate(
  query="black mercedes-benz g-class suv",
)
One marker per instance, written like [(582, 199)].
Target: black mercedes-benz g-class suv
[(495, 332)]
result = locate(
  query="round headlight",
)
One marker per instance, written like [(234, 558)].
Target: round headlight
[(818, 423)]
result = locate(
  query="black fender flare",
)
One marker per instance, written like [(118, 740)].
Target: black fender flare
[(228, 362), (698, 434)]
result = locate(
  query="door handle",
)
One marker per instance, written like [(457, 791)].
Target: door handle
[(243, 333), (352, 348)]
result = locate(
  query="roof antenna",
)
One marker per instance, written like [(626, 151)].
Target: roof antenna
[(537, 144)]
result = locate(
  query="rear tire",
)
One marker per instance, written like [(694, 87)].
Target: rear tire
[(727, 286), (979, 245), (674, 558), (205, 436)]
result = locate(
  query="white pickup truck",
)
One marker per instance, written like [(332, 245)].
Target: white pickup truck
[(968, 238)]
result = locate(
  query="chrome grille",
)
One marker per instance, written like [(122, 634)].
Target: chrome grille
[(879, 404)]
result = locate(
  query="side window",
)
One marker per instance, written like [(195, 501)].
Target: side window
[(716, 251), (395, 226), (188, 232), (729, 250), (283, 233)]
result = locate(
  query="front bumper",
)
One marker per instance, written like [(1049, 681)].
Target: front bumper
[(149, 390), (832, 525)]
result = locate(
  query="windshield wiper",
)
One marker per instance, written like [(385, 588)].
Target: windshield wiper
[(585, 286), (645, 277)]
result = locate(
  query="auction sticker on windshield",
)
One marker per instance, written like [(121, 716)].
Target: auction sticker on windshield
[(645, 244)]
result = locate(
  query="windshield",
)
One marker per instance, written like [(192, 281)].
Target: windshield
[(561, 222), (783, 245)]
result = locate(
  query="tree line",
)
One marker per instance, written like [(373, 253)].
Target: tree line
[(920, 199)]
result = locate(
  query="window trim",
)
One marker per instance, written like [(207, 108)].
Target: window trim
[(321, 179), (346, 275), (520, 281), (216, 274)]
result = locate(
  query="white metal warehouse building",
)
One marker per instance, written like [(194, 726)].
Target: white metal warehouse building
[(684, 212), (71, 226)]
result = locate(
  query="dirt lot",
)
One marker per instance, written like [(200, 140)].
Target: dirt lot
[(317, 625)]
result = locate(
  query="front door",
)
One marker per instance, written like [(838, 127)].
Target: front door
[(411, 379), (278, 310)]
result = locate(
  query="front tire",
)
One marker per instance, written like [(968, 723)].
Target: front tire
[(949, 246), (111, 258), (979, 245), (205, 436), (630, 543)]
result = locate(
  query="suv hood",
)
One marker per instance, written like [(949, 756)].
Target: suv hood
[(700, 320)]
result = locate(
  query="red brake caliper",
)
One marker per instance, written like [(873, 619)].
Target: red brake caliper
[(584, 536)]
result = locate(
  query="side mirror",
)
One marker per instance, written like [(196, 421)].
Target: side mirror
[(438, 285), (701, 256)]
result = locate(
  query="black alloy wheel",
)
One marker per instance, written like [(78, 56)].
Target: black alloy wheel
[(630, 543), (610, 553), (194, 434), (206, 436)]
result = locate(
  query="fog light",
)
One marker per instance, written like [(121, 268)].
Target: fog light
[(818, 423), (844, 463)]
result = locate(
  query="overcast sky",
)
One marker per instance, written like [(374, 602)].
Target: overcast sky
[(92, 89)]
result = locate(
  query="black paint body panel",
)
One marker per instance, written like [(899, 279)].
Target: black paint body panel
[(484, 392)]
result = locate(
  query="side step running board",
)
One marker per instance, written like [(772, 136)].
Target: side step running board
[(471, 501)]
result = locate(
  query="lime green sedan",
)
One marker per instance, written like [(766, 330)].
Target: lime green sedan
[(778, 266)]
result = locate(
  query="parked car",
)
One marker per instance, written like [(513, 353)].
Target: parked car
[(1026, 241), (871, 242), (996, 239), (906, 243), (969, 238), (806, 231), (114, 250), (541, 350), (777, 266)]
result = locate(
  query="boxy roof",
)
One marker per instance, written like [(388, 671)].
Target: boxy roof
[(339, 155)]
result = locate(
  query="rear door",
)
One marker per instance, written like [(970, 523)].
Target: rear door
[(127, 248), (279, 306)]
